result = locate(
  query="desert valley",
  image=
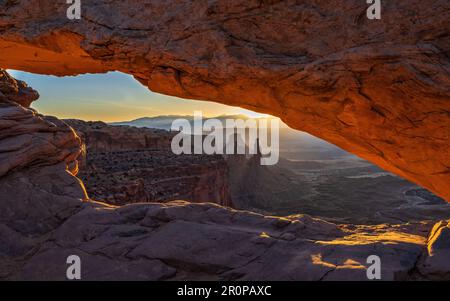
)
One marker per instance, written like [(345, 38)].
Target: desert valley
[(128, 162)]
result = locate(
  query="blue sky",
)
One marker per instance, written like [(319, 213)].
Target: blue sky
[(111, 97)]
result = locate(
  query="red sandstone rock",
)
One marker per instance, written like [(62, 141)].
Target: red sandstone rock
[(437, 263), (28, 138), (100, 137), (124, 165), (43, 220), (377, 88), (16, 90)]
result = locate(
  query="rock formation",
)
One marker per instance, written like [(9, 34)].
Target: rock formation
[(376, 88), (123, 165), (16, 90), (100, 137), (46, 216)]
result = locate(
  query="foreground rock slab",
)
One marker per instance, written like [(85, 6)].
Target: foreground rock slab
[(180, 241)]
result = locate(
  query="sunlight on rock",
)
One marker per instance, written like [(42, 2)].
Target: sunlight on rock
[(317, 259), (385, 238)]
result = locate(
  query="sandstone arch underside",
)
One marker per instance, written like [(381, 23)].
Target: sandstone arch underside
[(377, 88)]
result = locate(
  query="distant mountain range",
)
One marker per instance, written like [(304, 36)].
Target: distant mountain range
[(293, 143), (165, 121)]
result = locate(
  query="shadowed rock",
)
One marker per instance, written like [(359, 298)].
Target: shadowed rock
[(16, 90), (45, 217), (124, 165)]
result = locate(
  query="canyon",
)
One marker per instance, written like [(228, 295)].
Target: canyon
[(47, 216), (312, 177), (379, 89), (123, 165)]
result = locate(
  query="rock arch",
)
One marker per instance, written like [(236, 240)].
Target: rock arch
[(379, 89)]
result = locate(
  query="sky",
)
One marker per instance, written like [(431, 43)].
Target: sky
[(110, 97)]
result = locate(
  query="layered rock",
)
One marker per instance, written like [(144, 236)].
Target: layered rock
[(16, 90), (179, 241), (101, 137), (376, 88), (436, 263), (47, 217), (123, 165), (29, 139), (38, 190)]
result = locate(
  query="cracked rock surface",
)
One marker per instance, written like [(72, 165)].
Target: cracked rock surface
[(377, 88)]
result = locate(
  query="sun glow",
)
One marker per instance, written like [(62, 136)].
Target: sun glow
[(113, 97)]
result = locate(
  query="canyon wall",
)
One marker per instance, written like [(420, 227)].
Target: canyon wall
[(377, 88), (98, 136), (123, 165)]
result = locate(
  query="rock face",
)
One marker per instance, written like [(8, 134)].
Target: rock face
[(437, 264), (16, 90), (46, 217), (123, 165), (100, 137), (29, 139), (376, 88), (38, 190), (178, 241)]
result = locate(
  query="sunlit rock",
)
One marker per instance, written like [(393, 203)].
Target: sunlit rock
[(376, 88)]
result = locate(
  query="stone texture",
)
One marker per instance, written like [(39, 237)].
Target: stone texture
[(123, 165), (100, 137), (180, 240), (46, 217), (379, 89), (437, 263), (28, 138), (16, 90), (386, 100)]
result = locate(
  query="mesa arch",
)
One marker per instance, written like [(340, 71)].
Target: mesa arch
[(379, 89)]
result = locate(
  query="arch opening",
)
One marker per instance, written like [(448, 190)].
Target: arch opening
[(127, 159)]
